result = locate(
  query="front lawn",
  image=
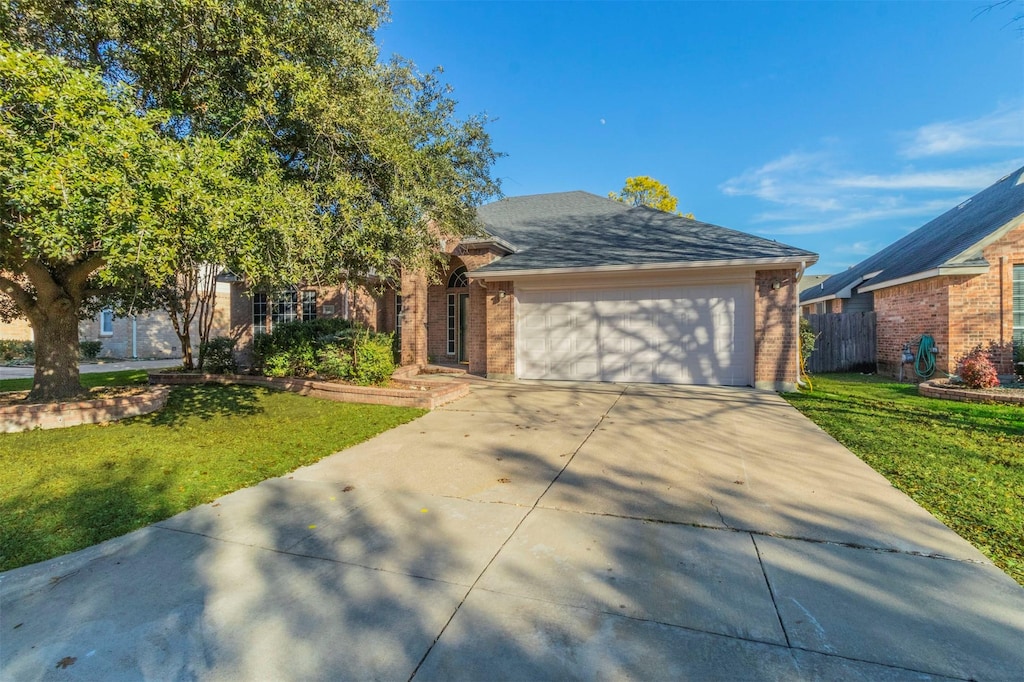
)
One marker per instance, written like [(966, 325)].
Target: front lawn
[(126, 377), (65, 489), (963, 462)]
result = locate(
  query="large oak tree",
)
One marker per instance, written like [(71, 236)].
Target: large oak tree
[(361, 155)]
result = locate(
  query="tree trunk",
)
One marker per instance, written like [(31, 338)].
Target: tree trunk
[(185, 337), (56, 349)]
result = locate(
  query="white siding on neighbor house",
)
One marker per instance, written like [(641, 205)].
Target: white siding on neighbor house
[(679, 334)]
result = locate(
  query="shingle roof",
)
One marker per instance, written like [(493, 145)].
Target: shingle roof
[(580, 230), (954, 239)]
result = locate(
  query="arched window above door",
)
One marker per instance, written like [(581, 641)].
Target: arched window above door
[(458, 278)]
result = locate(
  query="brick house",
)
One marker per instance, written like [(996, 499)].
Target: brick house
[(237, 313), (145, 335), (959, 278), (250, 312), (573, 286)]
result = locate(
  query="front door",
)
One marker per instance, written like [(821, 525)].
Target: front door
[(463, 326)]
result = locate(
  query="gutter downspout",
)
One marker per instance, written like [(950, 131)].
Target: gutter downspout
[(135, 338)]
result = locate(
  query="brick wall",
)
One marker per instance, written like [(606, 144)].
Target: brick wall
[(959, 312), (775, 329), (235, 309), (903, 313), (437, 310), (437, 315), (365, 306), (500, 332), (414, 317), (981, 307)]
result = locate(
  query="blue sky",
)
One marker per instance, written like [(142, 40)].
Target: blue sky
[(835, 127)]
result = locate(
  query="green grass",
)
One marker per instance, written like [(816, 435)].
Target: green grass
[(963, 462), (89, 380), (62, 490)]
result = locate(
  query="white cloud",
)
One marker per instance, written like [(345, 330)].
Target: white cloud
[(812, 192), (956, 179), (918, 211), (1003, 128), (792, 180), (865, 248)]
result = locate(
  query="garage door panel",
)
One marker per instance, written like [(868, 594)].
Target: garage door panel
[(697, 334)]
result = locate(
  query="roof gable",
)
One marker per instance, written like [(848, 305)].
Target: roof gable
[(954, 239), (579, 230)]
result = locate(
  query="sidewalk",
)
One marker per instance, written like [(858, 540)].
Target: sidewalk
[(28, 371)]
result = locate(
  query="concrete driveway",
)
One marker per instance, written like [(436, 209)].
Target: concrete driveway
[(538, 532)]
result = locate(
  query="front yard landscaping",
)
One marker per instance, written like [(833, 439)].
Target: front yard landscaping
[(963, 462), (66, 489)]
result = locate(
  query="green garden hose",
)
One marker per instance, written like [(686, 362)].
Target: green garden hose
[(924, 361)]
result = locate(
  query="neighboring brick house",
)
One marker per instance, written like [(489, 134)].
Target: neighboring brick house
[(237, 313), (573, 286), (958, 278), (145, 335)]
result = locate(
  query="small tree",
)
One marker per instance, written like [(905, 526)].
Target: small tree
[(644, 190)]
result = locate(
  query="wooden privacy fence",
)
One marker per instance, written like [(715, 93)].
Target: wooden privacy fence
[(845, 342)]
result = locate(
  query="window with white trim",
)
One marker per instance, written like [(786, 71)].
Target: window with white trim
[(259, 313), (398, 319), (1018, 305), (285, 307), (451, 324), (106, 322), (308, 305)]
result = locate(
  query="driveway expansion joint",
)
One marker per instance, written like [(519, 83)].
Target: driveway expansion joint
[(771, 591), (568, 461), (770, 534)]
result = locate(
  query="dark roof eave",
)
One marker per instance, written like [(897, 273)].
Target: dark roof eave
[(941, 271), (502, 244), (484, 272)]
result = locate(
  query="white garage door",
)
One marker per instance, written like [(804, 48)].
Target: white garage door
[(694, 334)]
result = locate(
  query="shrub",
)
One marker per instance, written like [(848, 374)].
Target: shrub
[(329, 348), (286, 337), (374, 359), (334, 361), (976, 369), (15, 350), (90, 350), (219, 356), (276, 365), (808, 339)]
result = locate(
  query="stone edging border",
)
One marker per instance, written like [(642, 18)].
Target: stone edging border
[(933, 389), (422, 394), (14, 418)]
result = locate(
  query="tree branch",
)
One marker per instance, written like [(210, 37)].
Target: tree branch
[(21, 298), (79, 273)]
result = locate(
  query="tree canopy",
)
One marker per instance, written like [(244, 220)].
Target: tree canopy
[(95, 200), (265, 136), (376, 149), (644, 190)]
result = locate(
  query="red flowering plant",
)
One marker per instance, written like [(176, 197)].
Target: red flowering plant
[(976, 369)]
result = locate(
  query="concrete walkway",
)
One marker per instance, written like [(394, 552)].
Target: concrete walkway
[(23, 371), (538, 532)]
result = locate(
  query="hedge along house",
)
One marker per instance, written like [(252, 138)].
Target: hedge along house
[(959, 278), (573, 286)]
